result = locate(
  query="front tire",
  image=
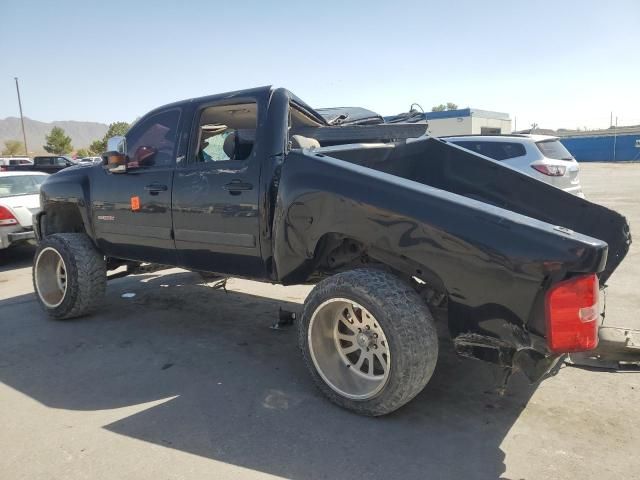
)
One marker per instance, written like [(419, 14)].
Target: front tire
[(368, 340), (69, 275)]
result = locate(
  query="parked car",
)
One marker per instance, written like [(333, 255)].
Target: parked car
[(539, 156), (19, 200), (90, 160), (10, 161), (388, 222), (44, 163)]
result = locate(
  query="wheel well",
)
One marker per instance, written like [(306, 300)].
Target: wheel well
[(61, 219), (335, 252)]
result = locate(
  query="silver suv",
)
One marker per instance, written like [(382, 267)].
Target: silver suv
[(539, 156)]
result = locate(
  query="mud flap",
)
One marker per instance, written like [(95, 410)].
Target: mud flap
[(618, 349)]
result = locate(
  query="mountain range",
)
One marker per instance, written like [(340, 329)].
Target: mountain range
[(81, 133)]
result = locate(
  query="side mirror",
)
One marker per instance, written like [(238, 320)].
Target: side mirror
[(115, 158)]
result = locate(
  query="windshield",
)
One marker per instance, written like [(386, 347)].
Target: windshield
[(554, 149), (20, 185)]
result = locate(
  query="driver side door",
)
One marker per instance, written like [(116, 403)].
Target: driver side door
[(132, 211)]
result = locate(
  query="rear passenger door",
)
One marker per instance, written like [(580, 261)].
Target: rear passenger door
[(216, 191)]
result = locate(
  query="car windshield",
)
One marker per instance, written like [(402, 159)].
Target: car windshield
[(554, 149), (13, 185)]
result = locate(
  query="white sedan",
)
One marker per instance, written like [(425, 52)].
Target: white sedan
[(19, 200)]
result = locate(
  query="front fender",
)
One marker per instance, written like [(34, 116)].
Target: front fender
[(66, 191)]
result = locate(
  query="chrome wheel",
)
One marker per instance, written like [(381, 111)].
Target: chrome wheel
[(349, 349), (50, 274)]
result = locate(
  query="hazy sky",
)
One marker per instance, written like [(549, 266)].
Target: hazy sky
[(558, 63)]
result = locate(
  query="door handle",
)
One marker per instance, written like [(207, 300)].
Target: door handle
[(155, 188), (236, 186)]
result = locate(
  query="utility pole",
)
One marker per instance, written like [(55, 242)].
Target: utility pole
[(24, 134)]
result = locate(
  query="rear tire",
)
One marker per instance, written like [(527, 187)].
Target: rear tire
[(69, 275), (372, 314)]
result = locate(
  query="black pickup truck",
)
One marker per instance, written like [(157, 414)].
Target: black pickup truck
[(44, 163), (388, 222)]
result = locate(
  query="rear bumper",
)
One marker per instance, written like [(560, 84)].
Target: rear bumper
[(11, 235)]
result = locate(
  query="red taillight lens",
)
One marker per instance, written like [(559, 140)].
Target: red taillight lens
[(6, 217), (572, 315), (3, 168), (550, 170)]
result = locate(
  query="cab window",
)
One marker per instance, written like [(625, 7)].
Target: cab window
[(226, 133), (152, 141)]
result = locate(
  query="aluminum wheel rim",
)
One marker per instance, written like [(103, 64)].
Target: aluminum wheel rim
[(349, 349), (51, 277)]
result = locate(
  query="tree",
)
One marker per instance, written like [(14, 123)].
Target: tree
[(97, 147), (442, 107), (13, 147), (82, 153), (58, 142), (115, 129)]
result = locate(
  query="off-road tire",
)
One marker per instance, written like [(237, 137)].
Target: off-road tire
[(407, 323), (86, 274)]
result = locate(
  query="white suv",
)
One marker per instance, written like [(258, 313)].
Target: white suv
[(539, 156)]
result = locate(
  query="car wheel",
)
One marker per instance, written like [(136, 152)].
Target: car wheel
[(368, 340), (69, 275)]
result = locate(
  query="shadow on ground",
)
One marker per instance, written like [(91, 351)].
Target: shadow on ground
[(16, 257), (235, 391)]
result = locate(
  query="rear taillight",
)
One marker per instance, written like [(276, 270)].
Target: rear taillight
[(3, 168), (550, 170), (6, 217), (572, 315)]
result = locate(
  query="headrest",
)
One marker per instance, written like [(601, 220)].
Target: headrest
[(298, 141)]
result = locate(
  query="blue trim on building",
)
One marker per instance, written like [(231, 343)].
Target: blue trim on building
[(601, 148), (463, 112), (467, 112)]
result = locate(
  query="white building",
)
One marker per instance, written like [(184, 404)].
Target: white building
[(468, 121)]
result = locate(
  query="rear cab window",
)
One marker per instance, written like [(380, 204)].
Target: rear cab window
[(496, 150), (554, 149), (226, 132)]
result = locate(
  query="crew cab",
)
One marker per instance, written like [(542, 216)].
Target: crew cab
[(388, 222)]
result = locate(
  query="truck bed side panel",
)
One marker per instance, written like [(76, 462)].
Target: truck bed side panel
[(493, 263)]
